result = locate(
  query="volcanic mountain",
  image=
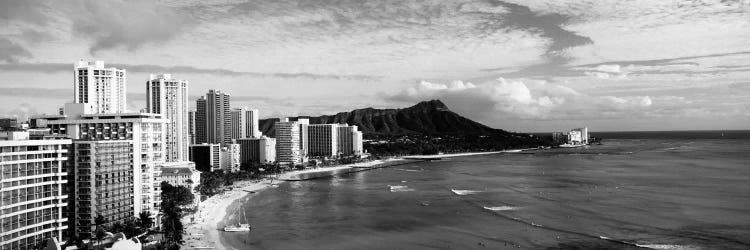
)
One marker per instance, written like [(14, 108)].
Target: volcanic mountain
[(426, 118)]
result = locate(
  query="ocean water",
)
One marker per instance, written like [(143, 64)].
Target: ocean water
[(625, 194)]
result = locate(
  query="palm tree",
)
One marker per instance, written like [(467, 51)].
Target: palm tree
[(145, 220), (100, 234)]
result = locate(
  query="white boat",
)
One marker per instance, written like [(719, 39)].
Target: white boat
[(240, 227)]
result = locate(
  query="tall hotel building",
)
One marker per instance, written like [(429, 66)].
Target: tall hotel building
[(287, 142), (303, 138), (218, 119), (109, 150), (169, 97), (104, 88), (349, 140), (245, 123), (32, 186), (255, 151), (191, 127), (201, 124), (322, 140)]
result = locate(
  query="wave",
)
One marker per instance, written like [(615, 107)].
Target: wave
[(396, 188), (667, 247), (501, 208), (465, 192), (410, 170)]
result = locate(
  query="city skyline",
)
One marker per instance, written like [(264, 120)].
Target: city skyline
[(520, 66)]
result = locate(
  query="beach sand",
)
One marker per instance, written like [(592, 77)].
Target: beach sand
[(202, 228), (203, 231)]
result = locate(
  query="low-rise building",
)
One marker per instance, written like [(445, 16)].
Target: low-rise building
[(181, 174)]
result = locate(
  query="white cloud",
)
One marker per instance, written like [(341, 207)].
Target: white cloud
[(502, 98)]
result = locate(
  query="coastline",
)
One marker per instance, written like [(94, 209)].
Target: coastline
[(203, 232)]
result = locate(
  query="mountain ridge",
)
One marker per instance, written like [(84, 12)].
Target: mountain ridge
[(431, 117)]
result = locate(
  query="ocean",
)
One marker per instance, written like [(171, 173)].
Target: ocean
[(660, 193)]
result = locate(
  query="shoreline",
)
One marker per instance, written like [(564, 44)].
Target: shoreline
[(203, 231)]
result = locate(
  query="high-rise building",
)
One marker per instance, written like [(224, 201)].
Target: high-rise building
[(32, 187), (350, 140), (245, 123), (578, 136), (322, 140), (102, 87), (169, 97), (103, 184), (201, 122), (303, 140), (207, 157), (191, 127), (218, 117), (142, 132), (287, 142), (230, 158), (255, 151)]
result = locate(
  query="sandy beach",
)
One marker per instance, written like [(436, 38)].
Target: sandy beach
[(466, 154), (203, 231), (202, 228)]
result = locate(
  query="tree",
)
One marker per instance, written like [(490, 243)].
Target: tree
[(100, 235), (145, 220), (99, 220), (179, 195)]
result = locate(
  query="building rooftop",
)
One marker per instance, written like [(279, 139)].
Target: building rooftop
[(178, 171)]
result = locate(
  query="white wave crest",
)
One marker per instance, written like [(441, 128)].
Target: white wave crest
[(465, 192), (501, 208), (396, 188), (668, 247)]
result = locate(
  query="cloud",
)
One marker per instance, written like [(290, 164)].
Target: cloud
[(128, 24), (111, 24), (503, 99), (11, 52), (155, 69)]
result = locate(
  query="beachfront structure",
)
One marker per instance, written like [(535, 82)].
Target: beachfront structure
[(287, 142), (103, 184), (322, 140), (559, 138), (245, 123), (191, 127), (256, 151), (103, 88), (169, 97), (142, 132), (218, 118), (181, 174), (349, 140), (303, 140), (207, 157), (578, 136), (201, 124), (230, 158), (32, 187)]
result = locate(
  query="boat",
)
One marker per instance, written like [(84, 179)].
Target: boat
[(240, 227)]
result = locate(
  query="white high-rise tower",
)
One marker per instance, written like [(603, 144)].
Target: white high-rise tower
[(103, 88), (169, 97), (245, 123)]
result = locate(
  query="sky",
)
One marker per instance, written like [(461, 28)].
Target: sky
[(526, 66)]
